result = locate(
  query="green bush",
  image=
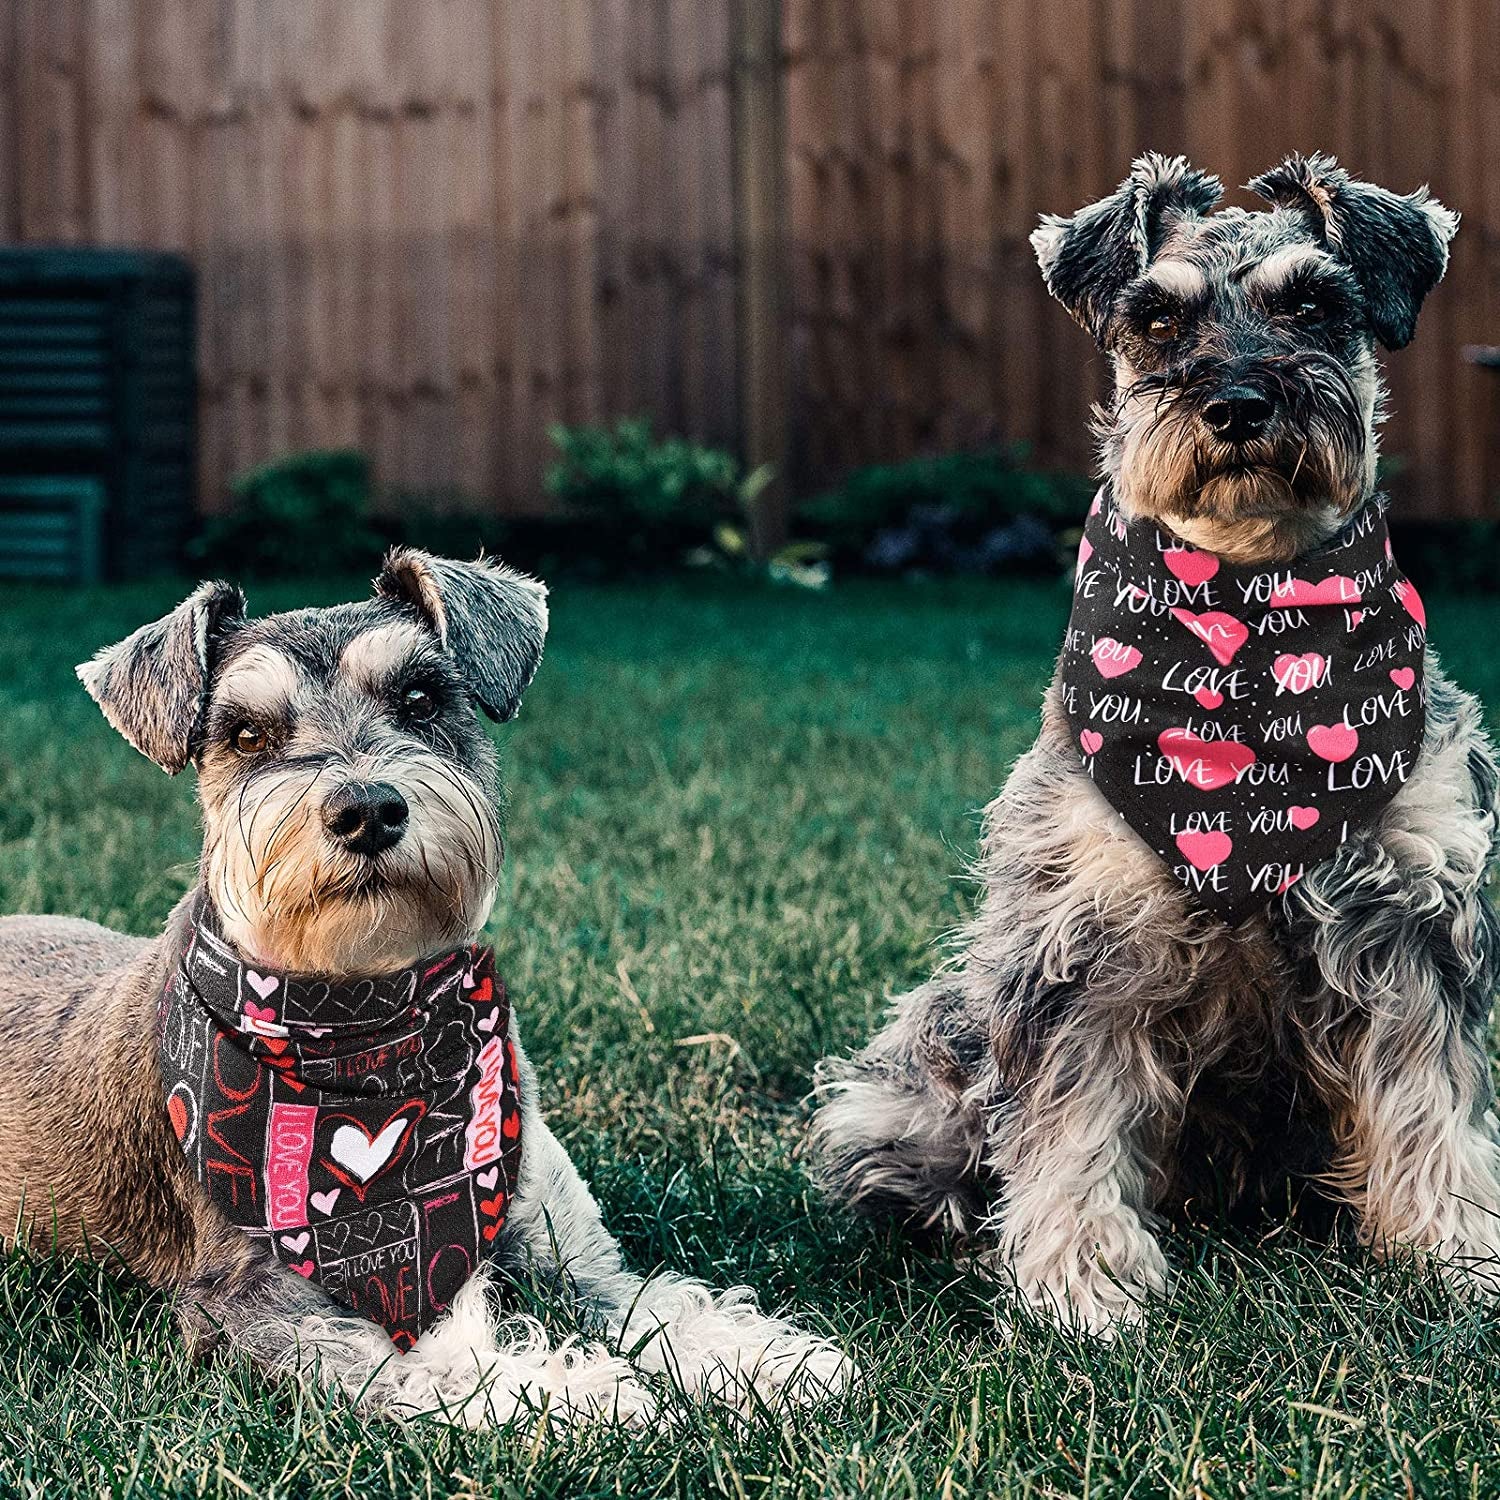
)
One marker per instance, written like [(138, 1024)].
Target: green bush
[(986, 487), (652, 499), (307, 513)]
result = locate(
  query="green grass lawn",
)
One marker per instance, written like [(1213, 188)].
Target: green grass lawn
[(737, 820)]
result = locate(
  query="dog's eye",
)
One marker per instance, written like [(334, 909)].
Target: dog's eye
[(1163, 327), (250, 739), (418, 704), (1308, 310)]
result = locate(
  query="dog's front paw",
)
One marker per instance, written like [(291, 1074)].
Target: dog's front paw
[(522, 1381), (1079, 1292), (792, 1369), (722, 1348)]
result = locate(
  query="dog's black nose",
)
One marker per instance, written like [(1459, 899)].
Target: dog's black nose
[(1238, 414), (366, 816)]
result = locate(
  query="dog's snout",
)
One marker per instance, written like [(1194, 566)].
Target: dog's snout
[(1238, 414), (366, 816)]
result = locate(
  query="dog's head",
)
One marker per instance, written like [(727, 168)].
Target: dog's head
[(1247, 391), (350, 797)]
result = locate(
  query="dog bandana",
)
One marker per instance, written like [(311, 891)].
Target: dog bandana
[(1243, 719), (368, 1130)]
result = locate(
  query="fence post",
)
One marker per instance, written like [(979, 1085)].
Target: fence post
[(760, 243)]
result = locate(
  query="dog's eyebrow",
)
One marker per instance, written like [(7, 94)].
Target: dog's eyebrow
[(375, 654), (260, 678), (1179, 277), (1273, 271)]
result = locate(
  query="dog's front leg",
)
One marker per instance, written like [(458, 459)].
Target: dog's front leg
[(1073, 1219), (714, 1345), (1407, 949), (472, 1367), (1403, 1066)]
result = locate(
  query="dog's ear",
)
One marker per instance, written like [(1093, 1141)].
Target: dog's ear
[(153, 684), (1396, 246), (1088, 259), (491, 619)]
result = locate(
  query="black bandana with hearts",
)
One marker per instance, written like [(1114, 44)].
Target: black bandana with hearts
[(368, 1130), (1243, 720)]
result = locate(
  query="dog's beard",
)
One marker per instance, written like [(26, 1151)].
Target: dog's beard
[(289, 896), (1260, 501)]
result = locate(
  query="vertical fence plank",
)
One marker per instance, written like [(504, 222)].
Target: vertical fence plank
[(759, 157)]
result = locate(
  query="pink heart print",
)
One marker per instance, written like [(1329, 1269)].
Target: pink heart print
[(1205, 851), (1085, 551), (1403, 677), (1205, 764), (1189, 565), (302, 1267), (1208, 698), (1333, 742), (256, 1012), (1303, 817), (1411, 602), (263, 984), (1221, 633), (1112, 659), (1092, 741), (1296, 674), (1335, 590)]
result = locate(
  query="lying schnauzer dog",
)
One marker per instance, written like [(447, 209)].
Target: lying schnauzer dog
[(1232, 935), (304, 1109)]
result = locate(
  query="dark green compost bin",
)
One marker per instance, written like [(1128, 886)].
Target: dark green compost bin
[(98, 413)]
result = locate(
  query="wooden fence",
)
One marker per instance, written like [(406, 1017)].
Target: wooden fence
[(431, 227)]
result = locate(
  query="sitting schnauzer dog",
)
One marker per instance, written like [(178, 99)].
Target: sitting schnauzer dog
[(303, 1110), (1232, 942)]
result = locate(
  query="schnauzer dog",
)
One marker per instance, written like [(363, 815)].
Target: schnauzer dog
[(1232, 942), (303, 1110)]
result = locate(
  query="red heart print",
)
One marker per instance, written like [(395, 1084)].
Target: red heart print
[(177, 1113), (1112, 659), (1205, 764), (484, 991), (1208, 698), (1411, 602), (1221, 633), (1336, 590), (1303, 817), (1296, 674), (510, 1127), (275, 1045), (1091, 741), (1403, 677), (491, 1230), (492, 1208), (1334, 742), (1189, 565), (302, 1267), (1205, 851)]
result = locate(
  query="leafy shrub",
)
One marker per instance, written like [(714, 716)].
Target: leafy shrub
[(297, 515), (652, 498), (978, 511)]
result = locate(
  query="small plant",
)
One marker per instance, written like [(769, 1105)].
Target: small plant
[(981, 511), (304, 514), (658, 500)]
